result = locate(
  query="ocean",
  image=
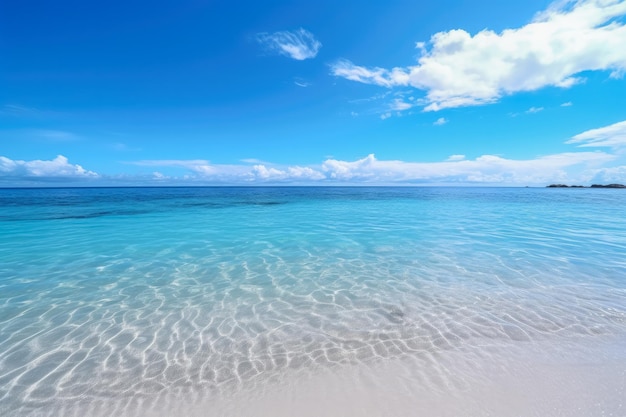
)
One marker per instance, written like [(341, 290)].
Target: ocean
[(235, 301)]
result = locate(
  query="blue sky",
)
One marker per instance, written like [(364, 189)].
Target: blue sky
[(254, 93)]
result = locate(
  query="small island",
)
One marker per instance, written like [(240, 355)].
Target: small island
[(582, 186)]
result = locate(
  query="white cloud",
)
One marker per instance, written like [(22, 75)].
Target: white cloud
[(122, 147), (378, 76), (198, 166), (260, 171), (290, 173), (568, 167), (18, 110), (298, 172), (385, 116), (607, 175), (572, 167), (58, 168), (613, 136), (567, 104), (400, 105), (299, 44), (57, 135), (440, 121), (553, 50), (301, 82), (254, 161), (534, 110), (456, 158), (484, 169)]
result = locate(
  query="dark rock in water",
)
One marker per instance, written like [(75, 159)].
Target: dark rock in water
[(581, 186), (608, 186)]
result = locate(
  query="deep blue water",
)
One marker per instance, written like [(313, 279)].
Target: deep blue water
[(111, 298)]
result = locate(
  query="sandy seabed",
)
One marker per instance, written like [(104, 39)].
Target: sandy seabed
[(572, 380)]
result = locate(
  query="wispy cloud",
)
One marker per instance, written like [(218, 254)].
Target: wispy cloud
[(299, 44), (613, 136), (455, 158), (301, 83), (57, 168), (18, 110), (553, 50), (122, 147), (378, 76), (533, 110), (567, 104), (51, 135), (441, 121), (254, 161)]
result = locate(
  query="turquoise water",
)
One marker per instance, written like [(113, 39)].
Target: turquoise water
[(123, 299)]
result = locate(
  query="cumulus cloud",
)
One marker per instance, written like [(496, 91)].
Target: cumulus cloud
[(440, 121), (159, 176), (400, 105), (57, 168), (607, 175), (260, 171), (290, 173), (613, 136), (461, 69), (299, 44)]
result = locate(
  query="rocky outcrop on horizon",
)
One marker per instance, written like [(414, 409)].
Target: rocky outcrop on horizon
[(582, 186)]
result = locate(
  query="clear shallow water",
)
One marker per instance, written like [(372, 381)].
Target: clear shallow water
[(127, 300)]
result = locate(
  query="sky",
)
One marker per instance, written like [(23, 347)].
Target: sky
[(213, 92)]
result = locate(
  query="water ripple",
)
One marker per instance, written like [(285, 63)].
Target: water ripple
[(121, 314)]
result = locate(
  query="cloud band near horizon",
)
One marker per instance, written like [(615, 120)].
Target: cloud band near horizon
[(456, 169)]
